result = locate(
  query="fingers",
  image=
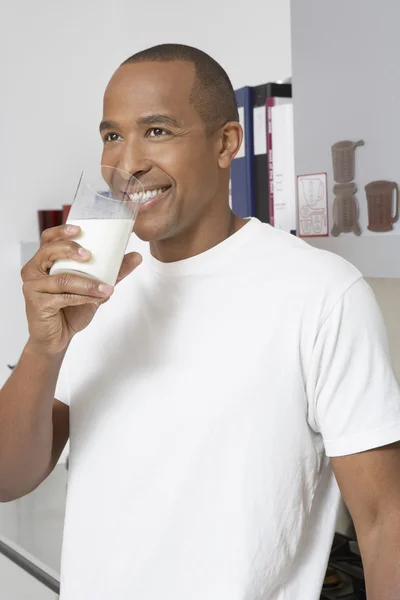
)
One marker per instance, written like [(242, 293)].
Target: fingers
[(61, 232), (51, 251), (64, 249), (66, 289), (55, 302), (56, 244), (129, 264)]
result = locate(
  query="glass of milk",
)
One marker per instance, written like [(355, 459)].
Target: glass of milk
[(105, 206)]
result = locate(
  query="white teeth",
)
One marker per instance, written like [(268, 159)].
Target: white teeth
[(144, 196)]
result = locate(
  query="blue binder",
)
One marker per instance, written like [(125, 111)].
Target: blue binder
[(242, 169)]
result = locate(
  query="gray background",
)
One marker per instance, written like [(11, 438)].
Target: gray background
[(347, 86)]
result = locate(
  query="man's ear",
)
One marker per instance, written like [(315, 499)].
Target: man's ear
[(231, 137)]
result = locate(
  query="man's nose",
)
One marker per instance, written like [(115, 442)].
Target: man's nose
[(132, 161)]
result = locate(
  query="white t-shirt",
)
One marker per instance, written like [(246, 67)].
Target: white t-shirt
[(204, 399)]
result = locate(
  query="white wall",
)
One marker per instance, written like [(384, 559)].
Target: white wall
[(56, 60), (346, 86)]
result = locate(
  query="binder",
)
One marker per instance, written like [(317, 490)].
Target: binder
[(277, 93), (242, 172), (284, 182), (261, 93), (261, 202)]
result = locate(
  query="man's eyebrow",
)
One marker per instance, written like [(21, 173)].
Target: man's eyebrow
[(156, 119), (159, 119), (106, 125)]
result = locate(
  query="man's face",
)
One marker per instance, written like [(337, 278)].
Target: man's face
[(151, 130)]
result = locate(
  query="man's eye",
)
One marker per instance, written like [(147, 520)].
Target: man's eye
[(157, 132), (112, 137)]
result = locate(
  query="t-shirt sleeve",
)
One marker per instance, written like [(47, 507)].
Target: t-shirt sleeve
[(353, 395), (62, 392)]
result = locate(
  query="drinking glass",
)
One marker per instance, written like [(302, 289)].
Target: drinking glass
[(105, 207)]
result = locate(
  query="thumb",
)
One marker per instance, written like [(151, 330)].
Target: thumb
[(129, 264)]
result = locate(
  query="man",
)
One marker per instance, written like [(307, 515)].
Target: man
[(207, 395)]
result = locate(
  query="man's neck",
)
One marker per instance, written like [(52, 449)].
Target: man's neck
[(198, 239)]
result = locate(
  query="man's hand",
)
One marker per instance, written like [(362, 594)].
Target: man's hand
[(370, 484), (59, 306)]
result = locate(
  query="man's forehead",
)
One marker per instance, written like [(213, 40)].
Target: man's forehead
[(151, 84)]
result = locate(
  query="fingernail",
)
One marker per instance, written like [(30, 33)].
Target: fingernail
[(72, 229), (83, 252), (105, 289)]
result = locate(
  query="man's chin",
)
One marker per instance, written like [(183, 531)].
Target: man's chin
[(151, 229)]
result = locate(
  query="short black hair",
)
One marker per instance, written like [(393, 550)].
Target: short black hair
[(212, 95)]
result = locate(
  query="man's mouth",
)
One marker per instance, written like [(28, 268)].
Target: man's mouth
[(148, 194)]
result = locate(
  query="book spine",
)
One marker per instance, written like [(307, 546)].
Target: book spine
[(270, 104)]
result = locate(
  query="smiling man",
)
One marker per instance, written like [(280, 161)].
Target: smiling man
[(212, 395), (162, 117)]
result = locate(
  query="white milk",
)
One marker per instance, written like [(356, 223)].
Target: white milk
[(107, 240)]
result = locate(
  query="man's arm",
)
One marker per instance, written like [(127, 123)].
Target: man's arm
[(34, 427), (370, 484)]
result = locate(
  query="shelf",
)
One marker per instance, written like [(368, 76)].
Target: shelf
[(373, 255)]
